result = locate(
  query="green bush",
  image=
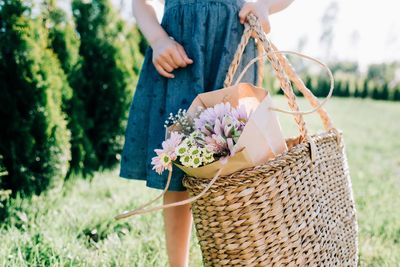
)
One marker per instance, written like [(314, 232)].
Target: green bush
[(62, 36), (143, 44), (338, 88), (34, 136), (346, 89), (385, 92), (364, 93), (104, 82), (357, 92), (396, 93), (64, 41), (134, 38), (323, 86)]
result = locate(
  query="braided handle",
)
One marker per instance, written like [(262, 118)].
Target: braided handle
[(142, 210), (238, 54), (260, 65), (288, 69), (293, 76), (253, 25)]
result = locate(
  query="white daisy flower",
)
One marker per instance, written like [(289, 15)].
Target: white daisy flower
[(181, 150), (195, 161), (194, 151), (186, 160), (206, 155), (188, 141)]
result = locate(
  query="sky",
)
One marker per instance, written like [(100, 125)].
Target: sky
[(365, 31)]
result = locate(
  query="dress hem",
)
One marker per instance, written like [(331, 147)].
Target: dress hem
[(150, 183)]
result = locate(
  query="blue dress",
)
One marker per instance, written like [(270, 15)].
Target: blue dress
[(209, 31)]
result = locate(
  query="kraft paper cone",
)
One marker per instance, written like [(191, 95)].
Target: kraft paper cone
[(237, 162), (261, 139)]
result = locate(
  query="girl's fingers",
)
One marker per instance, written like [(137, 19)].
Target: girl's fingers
[(244, 11), (166, 66), (162, 71), (183, 54), (262, 17), (178, 59), (167, 58)]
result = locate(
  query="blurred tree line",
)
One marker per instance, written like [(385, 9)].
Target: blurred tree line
[(65, 89), (380, 81)]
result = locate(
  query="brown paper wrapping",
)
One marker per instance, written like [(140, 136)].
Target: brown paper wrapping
[(261, 139)]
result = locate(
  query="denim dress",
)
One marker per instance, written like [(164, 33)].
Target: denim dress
[(209, 31)]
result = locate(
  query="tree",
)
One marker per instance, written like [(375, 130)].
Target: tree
[(396, 94), (105, 81), (143, 44), (62, 36), (346, 88), (385, 92), (34, 139), (135, 38), (357, 93), (364, 93), (375, 93), (308, 82), (381, 73), (344, 67), (338, 88), (64, 42), (323, 86)]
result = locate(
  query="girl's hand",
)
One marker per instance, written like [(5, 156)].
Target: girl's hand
[(260, 9), (169, 55)]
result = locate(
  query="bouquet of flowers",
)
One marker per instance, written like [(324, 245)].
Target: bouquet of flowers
[(210, 135), (231, 127)]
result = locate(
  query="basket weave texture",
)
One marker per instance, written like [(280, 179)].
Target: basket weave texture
[(289, 212)]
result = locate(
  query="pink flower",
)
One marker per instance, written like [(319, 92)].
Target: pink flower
[(169, 145), (216, 144), (161, 162), (167, 154)]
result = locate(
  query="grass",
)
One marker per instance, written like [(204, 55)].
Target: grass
[(74, 226)]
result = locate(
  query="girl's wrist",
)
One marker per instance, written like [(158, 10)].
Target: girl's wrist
[(157, 38), (159, 42)]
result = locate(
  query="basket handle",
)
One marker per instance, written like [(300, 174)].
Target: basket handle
[(313, 100), (253, 25), (142, 210), (271, 49), (319, 105)]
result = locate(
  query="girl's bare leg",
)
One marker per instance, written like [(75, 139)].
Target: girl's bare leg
[(178, 226)]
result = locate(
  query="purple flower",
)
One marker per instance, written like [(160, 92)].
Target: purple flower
[(222, 126), (211, 114), (240, 114)]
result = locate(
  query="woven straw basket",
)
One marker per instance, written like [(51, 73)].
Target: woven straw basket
[(295, 210)]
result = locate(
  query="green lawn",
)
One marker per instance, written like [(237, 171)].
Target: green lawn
[(74, 225)]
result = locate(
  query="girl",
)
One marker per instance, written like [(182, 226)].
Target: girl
[(189, 53)]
